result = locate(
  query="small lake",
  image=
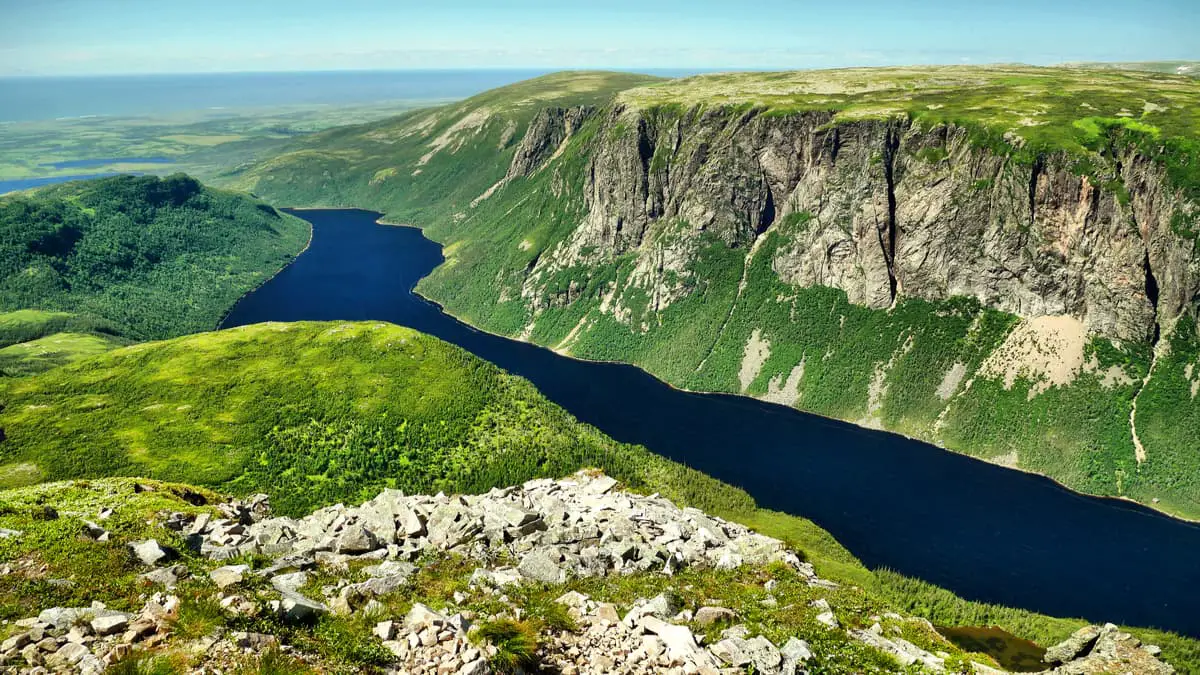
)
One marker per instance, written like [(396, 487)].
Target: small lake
[(18, 184), (983, 531), (93, 163)]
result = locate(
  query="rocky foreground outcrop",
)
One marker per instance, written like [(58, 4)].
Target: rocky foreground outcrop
[(348, 561)]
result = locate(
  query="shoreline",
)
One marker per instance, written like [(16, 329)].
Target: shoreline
[(229, 310), (1126, 503), (1121, 501)]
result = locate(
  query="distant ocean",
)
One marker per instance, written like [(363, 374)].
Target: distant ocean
[(44, 98)]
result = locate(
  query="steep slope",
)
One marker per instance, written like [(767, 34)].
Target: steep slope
[(426, 165), (151, 257), (999, 260)]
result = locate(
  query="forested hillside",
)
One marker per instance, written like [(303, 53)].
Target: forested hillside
[(149, 257)]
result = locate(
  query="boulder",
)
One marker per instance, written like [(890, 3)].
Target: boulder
[(149, 552), (168, 577), (289, 582), (110, 624), (1079, 643), (764, 655), (542, 564), (421, 617), (64, 617), (733, 652), (229, 575), (94, 531), (70, 654), (706, 616), (356, 539), (477, 667), (410, 523), (681, 644), (384, 630), (297, 609), (794, 653), (391, 568)]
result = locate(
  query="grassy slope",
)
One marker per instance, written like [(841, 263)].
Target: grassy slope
[(151, 257), (32, 341), (316, 413)]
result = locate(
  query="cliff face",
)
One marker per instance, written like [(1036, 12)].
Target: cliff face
[(892, 210), (926, 278)]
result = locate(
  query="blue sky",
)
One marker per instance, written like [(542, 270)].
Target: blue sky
[(139, 36)]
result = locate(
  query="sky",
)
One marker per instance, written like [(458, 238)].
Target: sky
[(85, 37)]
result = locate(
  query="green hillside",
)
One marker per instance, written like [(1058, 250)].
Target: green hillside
[(320, 413), (314, 413), (427, 165), (537, 253), (149, 257)]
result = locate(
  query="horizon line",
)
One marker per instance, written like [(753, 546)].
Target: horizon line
[(551, 69)]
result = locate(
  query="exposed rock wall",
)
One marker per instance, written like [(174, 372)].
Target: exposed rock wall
[(895, 210), (546, 134)]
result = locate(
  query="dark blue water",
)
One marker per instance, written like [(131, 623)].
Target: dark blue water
[(92, 163), (7, 186), (985, 532)]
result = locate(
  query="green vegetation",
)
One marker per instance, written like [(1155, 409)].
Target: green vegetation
[(51, 549), (145, 257), (45, 353), (313, 413), (320, 413), (1079, 434), (516, 643), (317, 413), (32, 341), (200, 143), (440, 166), (437, 161), (1038, 104)]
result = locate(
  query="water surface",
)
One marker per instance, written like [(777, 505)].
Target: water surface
[(42, 98), (983, 531), (18, 184), (93, 163)]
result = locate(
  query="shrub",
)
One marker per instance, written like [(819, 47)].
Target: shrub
[(516, 643)]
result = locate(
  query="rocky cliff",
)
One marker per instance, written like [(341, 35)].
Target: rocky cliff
[(566, 576), (892, 209)]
